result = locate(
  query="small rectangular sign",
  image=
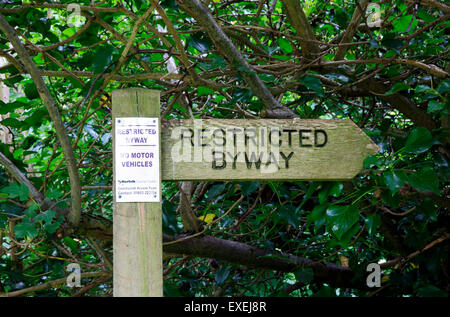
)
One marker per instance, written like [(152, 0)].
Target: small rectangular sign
[(137, 170)]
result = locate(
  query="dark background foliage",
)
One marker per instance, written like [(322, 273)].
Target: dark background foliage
[(392, 81)]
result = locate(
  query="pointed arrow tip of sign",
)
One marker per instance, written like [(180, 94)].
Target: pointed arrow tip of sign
[(372, 148)]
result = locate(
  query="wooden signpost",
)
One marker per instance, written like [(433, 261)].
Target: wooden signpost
[(147, 150), (137, 230)]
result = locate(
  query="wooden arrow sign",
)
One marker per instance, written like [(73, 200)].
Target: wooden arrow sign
[(263, 149)]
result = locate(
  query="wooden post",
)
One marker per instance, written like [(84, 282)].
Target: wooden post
[(137, 225)]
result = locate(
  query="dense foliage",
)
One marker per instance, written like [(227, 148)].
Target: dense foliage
[(316, 59)]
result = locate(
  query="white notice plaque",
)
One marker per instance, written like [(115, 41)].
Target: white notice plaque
[(137, 160)]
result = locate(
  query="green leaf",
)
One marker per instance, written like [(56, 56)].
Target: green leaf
[(214, 191), (11, 122), (241, 95), (392, 43), (398, 86), (312, 83), (31, 211), (169, 4), (435, 106), (419, 141), (405, 23), (304, 275), (371, 161), (288, 214), (330, 189), (51, 228), (25, 229), (217, 61), (46, 216), (346, 238), (31, 91), (201, 91), (423, 15), (318, 216), (421, 89), (248, 187), (285, 45), (444, 87), (169, 217), (14, 190), (103, 57), (71, 244), (222, 274), (429, 209), (426, 180), (9, 107), (394, 179), (171, 290), (373, 221), (342, 218), (200, 41)]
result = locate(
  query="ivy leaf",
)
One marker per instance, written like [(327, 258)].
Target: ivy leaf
[(201, 91), (318, 216), (31, 211), (312, 83), (444, 87), (435, 106), (373, 222), (200, 41), (51, 228), (71, 244), (304, 275), (285, 45), (426, 180), (222, 274), (394, 179), (248, 187), (11, 122), (31, 91), (102, 58), (214, 191), (421, 89), (288, 213), (242, 95), (419, 141), (25, 229), (169, 217), (14, 190), (399, 86), (342, 218), (46, 216), (392, 43), (405, 23)]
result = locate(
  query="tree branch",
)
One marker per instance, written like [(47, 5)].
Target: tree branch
[(35, 194), (47, 99), (240, 253), (234, 57), (351, 28), (400, 102), (53, 283), (296, 15)]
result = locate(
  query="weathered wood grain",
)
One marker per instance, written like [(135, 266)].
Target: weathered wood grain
[(186, 158), (137, 226)]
